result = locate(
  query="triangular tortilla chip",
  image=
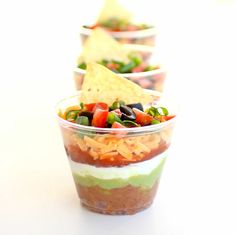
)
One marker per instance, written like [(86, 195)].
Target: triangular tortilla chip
[(100, 45), (113, 9), (102, 85)]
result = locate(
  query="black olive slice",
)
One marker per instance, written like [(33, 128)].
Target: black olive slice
[(87, 114), (136, 105), (127, 113)]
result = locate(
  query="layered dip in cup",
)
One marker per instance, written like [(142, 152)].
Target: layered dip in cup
[(137, 63), (116, 137), (119, 22)]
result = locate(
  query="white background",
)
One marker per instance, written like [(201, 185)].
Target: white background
[(38, 48)]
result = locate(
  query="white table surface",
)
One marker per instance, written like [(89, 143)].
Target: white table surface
[(197, 191)]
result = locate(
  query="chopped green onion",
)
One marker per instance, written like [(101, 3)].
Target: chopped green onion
[(152, 111), (72, 115), (82, 66), (127, 67), (162, 111), (137, 60), (129, 123), (81, 105), (118, 62), (115, 105), (121, 102), (155, 121), (111, 118), (103, 62), (150, 67), (82, 120)]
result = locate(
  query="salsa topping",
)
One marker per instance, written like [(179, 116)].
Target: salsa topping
[(118, 25), (117, 115), (134, 65)]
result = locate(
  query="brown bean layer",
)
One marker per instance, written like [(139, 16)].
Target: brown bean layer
[(120, 201)]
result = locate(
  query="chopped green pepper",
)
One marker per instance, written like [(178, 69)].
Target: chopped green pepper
[(129, 123), (155, 121), (82, 120), (82, 66), (162, 111), (127, 67), (72, 115), (111, 118)]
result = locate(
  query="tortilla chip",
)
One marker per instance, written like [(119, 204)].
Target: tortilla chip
[(113, 9), (102, 85), (102, 46)]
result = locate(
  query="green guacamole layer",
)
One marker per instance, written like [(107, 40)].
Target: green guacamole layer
[(143, 181)]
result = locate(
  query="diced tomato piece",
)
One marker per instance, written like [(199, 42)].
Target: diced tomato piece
[(117, 125), (112, 66), (138, 69), (115, 30), (117, 112), (100, 118), (94, 26), (165, 118), (102, 106), (93, 106), (89, 107), (142, 118)]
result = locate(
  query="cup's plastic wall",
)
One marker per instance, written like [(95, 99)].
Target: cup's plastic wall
[(143, 37)]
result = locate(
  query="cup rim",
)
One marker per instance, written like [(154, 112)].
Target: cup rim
[(135, 130), (129, 75), (125, 34)]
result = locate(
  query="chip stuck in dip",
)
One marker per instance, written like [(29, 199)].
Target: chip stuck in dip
[(119, 22), (128, 61), (116, 137)]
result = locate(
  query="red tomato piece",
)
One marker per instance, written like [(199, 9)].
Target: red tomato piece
[(115, 30), (138, 69), (89, 107), (100, 118), (102, 106), (112, 66), (142, 118), (93, 106), (165, 118), (117, 125)]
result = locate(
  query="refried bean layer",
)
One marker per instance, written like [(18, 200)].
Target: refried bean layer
[(120, 201)]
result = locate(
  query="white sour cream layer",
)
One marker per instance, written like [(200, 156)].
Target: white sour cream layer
[(140, 168)]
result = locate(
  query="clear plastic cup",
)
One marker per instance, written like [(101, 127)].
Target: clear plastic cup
[(153, 79), (116, 171), (143, 37)]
